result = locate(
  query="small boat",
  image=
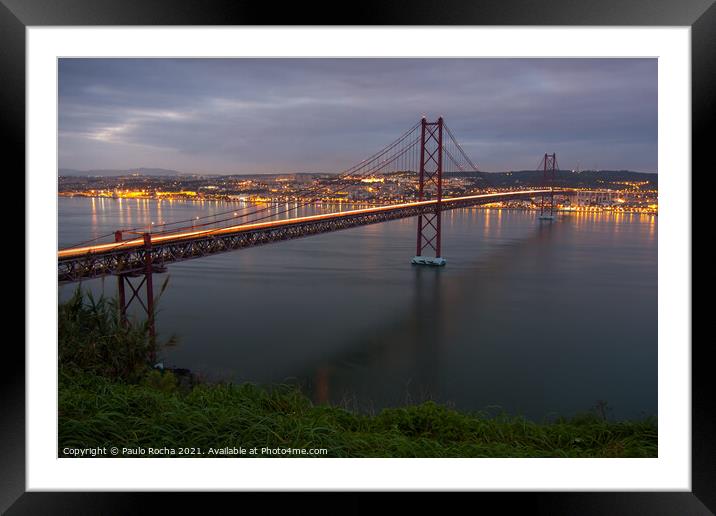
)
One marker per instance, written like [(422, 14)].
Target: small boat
[(546, 217)]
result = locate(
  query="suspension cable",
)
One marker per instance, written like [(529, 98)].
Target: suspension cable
[(348, 172)]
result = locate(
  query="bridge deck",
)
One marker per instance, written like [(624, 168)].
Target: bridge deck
[(129, 256)]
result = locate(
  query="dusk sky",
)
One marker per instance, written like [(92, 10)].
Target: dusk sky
[(224, 116)]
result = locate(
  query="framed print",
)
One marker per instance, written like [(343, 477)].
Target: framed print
[(417, 253)]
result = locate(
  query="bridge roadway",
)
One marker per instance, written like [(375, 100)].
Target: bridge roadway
[(132, 256)]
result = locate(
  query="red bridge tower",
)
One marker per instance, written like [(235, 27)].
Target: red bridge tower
[(431, 184), (549, 164)]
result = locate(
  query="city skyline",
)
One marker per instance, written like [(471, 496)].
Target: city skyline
[(244, 116)]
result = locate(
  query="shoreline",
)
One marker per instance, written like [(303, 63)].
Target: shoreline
[(110, 397), (585, 209), (154, 418)]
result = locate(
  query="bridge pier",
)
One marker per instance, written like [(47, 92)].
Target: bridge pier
[(123, 280), (431, 180)]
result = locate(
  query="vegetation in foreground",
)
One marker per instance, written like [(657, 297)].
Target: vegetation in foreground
[(109, 396)]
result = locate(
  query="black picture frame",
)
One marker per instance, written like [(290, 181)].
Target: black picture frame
[(16, 15)]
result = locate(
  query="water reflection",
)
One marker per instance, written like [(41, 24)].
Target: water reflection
[(408, 350), (534, 317)]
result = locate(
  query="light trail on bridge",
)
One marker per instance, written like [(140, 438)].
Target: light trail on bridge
[(422, 149), (139, 242), (131, 256)]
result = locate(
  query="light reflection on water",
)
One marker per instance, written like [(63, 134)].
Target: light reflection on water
[(537, 318)]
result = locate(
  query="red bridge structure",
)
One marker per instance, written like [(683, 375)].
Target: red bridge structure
[(549, 170), (428, 148)]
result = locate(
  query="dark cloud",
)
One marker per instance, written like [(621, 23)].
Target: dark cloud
[(284, 115)]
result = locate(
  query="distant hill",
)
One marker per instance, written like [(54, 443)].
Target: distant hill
[(115, 172), (567, 178), (516, 178)]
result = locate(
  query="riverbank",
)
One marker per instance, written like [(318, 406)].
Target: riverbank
[(221, 420), (110, 398), (355, 204)]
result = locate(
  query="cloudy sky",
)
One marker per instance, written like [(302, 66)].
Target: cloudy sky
[(322, 115)]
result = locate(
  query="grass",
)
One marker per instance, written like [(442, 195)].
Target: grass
[(93, 338), (106, 401)]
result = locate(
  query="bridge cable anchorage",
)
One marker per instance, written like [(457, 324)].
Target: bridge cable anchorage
[(368, 163), (549, 168)]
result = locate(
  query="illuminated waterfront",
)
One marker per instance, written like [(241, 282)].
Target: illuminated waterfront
[(534, 318)]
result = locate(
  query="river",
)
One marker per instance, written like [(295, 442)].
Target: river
[(529, 317)]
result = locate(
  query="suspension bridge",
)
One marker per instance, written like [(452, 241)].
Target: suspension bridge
[(427, 149)]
